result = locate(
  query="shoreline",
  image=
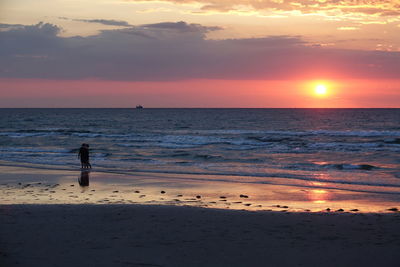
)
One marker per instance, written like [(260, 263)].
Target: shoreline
[(24, 185), (148, 235)]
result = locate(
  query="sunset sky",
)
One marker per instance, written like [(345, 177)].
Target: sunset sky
[(213, 53)]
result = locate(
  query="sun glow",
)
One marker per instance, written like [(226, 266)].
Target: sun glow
[(320, 90)]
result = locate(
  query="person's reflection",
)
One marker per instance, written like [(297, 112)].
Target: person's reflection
[(83, 180)]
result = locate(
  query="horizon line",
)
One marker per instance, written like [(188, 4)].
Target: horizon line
[(200, 108)]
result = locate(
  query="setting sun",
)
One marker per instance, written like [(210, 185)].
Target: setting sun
[(320, 89)]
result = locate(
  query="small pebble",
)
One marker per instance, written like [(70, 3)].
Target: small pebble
[(162, 192), (354, 210), (244, 196), (116, 191), (198, 196), (393, 209), (222, 197)]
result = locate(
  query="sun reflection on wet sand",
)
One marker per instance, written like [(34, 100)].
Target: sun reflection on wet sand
[(318, 196)]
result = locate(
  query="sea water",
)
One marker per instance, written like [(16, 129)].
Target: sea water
[(346, 149)]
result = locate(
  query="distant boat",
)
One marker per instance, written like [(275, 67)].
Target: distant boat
[(139, 106)]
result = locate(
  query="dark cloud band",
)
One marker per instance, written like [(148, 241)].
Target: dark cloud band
[(178, 51), (109, 22)]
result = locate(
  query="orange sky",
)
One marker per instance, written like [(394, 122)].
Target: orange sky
[(195, 53), (198, 93)]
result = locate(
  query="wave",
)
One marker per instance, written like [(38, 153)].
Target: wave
[(343, 166), (332, 166), (208, 157), (35, 150), (361, 133), (392, 141), (260, 135)]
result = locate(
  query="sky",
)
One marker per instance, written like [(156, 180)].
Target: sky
[(213, 53)]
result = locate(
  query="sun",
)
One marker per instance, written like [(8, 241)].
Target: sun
[(321, 89)]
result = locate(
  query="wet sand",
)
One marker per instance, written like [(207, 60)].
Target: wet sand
[(23, 185), (145, 235)]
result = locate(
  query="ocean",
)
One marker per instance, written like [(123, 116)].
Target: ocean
[(346, 149)]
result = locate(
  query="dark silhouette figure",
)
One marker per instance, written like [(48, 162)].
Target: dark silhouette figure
[(84, 179), (84, 156)]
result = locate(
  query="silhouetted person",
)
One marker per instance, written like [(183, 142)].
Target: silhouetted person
[(84, 156), (84, 179)]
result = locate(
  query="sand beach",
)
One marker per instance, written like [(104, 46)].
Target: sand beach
[(49, 219)]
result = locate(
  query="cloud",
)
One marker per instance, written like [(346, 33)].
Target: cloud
[(109, 22), (179, 51), (376, 7), (39, 29), (182, 27), (8, 26), (347, 28)]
